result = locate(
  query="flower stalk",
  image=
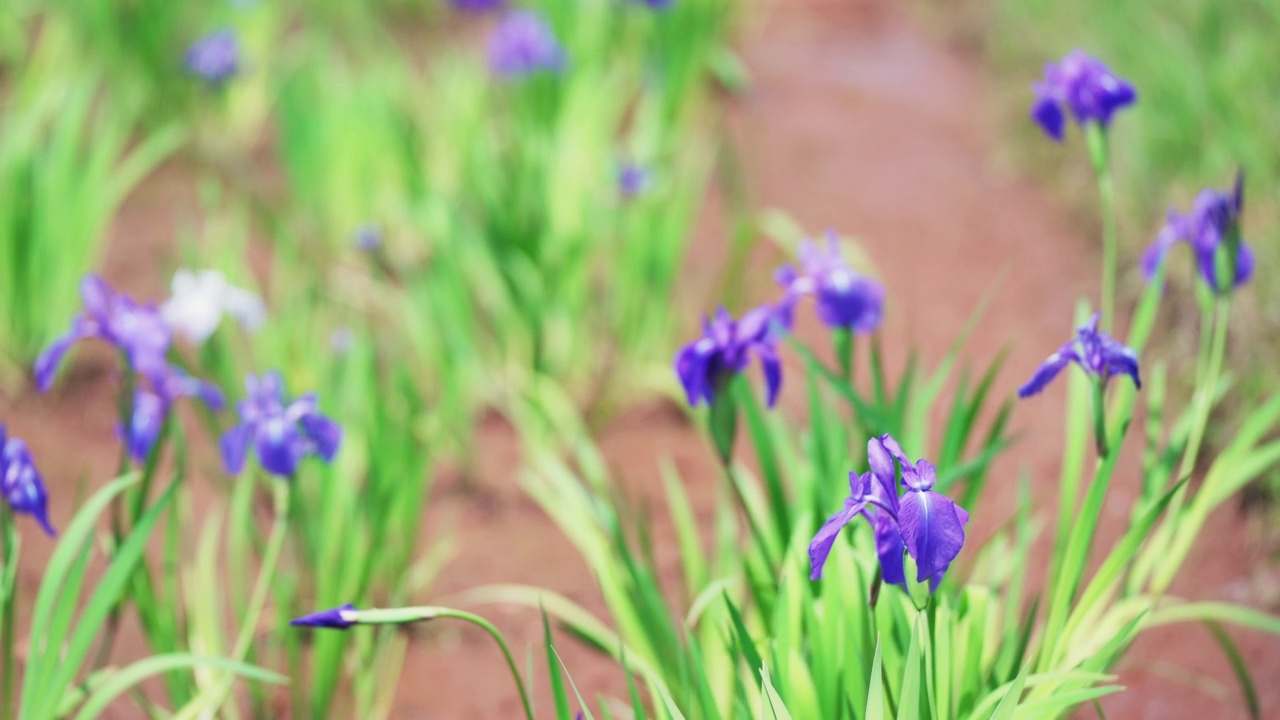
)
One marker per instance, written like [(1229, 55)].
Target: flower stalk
[(1100, 156)]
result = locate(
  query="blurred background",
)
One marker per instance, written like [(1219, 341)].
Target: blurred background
[(477, 226)]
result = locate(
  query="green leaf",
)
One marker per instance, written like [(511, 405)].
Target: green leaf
[(1239, 666), (875, 689), (1004, 711), (121, 681), (553, 670), (72, 548), (770, 701)]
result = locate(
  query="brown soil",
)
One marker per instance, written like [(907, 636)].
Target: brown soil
[(855, 121)]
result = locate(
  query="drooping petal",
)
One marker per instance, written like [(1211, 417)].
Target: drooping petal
[(46, 367), (889, 548), (276, 442), (339, 618), (691, 365), (145, 424), (772, 368), (324, 433), (1048, 115), (825, 538), (932, 530), (1122, 360), (1244, 263), (1047, 371), (235, 447)]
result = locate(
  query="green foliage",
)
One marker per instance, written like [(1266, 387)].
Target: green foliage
[(67, 162)]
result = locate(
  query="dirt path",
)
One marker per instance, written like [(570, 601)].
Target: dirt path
[(858, 122)]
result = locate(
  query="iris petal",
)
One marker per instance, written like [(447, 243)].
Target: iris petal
[(932, 530)]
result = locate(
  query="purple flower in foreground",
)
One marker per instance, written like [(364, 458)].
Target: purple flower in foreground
[(214, 57), (1094, 351), (282, 433), (1212, 224), (844, 298), (139, 331), (725, 349), (20, 481), (339, 618), (1084, 86), (925, 524), (523, 44)]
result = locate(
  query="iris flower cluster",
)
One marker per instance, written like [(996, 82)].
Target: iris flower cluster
[(908, 516), (139, 332), (1212, 226), (20, 482), (725, 349), (1083, 86), (1100, 356), (281, 431), (844, 300)]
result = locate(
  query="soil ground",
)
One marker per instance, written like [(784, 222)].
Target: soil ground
[(855, 121)]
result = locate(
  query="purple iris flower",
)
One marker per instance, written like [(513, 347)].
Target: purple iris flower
[(725, 349), (20, 481), (141, 334), (282, 432), (339, 618), (523, 44), (139, 331), (1085, 87), (1094, 351), (926, 524), (1214, 221), (632, 180), (214, 57), (845, 299)]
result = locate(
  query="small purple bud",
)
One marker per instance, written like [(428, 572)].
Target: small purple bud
[(20, 482), (339, 618)]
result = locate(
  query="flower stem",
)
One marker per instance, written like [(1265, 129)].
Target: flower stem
[(423, 613), (502, 644), (1098, 153), (842, 338), (270, 557), (1202, 406), (1100, 416), (8, 591)]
